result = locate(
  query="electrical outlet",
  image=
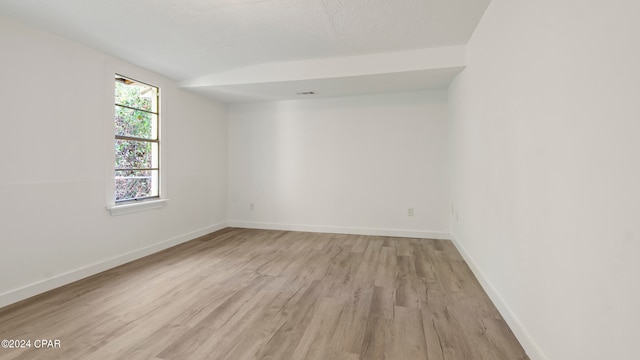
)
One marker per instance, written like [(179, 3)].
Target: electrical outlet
[(251, 207), (410, 212)]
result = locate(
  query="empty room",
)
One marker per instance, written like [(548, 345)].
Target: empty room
[(320, 179)]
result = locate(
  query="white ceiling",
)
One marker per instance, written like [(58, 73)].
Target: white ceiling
[(196, 39)]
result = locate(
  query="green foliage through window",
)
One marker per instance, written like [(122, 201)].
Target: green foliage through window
[(137, 146)]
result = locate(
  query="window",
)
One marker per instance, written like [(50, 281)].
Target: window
[(137, 141)]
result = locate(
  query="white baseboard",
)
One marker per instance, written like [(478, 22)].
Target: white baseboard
[(527, 342), (342, 230), (40, 287)]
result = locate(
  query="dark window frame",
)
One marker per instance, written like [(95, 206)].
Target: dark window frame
[(155, 139)]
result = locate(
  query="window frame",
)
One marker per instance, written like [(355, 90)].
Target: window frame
[(132, 203)]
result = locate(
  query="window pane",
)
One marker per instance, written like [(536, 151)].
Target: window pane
[(136, 184), (136, 159), (136, 123), (136, 154), (136, 95)]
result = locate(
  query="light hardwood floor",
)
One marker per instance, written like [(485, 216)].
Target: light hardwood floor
[(257, 294)]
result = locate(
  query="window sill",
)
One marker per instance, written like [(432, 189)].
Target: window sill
[(136, 206)]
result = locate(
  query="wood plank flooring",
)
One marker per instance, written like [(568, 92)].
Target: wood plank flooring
[(257, 294)]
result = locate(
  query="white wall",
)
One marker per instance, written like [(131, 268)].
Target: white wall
[(56, 112), (545, 172), (351, 164)]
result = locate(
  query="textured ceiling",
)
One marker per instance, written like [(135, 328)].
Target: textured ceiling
[(183, 39)]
